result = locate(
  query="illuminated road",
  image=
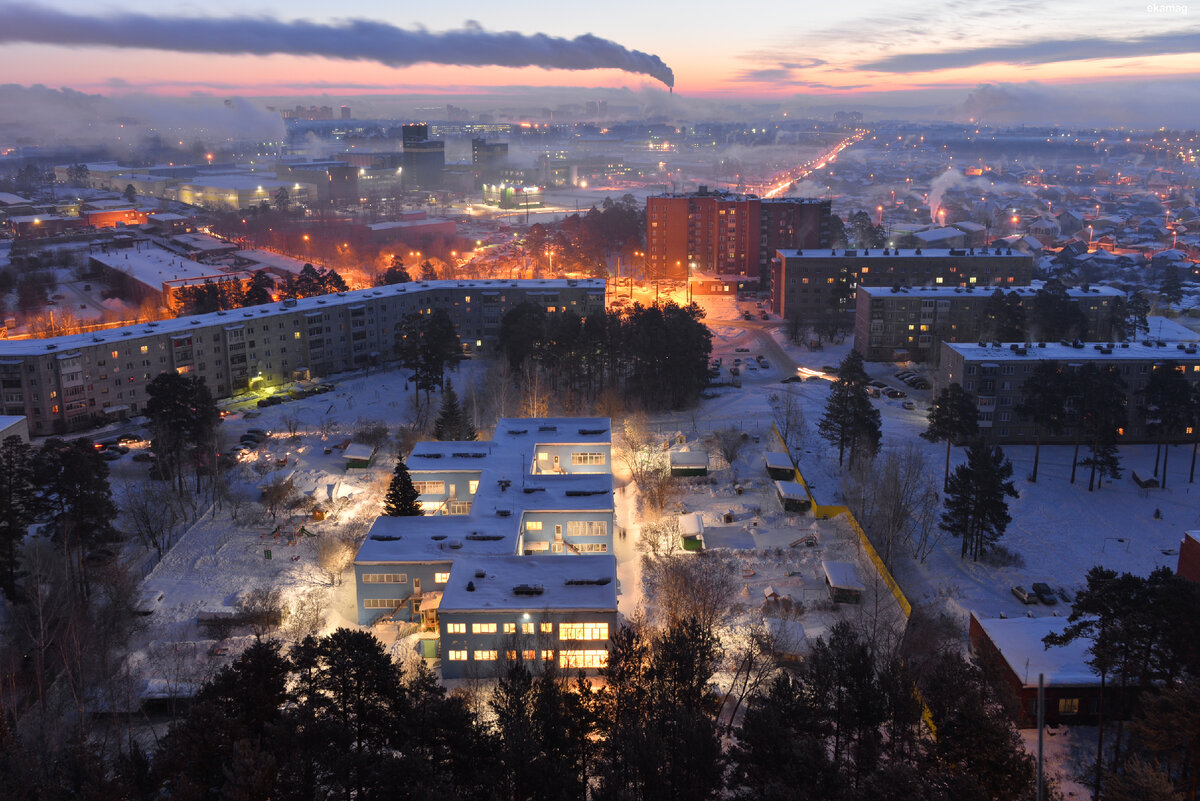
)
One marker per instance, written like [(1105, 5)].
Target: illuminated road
[(783, 181)]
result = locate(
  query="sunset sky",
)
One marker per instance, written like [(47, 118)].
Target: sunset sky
[(718, 50)]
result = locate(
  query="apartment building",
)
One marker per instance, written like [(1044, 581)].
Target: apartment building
[(726, 234), (512, 559), (808, 281), (995, 373), (72, 382), (900, 323)]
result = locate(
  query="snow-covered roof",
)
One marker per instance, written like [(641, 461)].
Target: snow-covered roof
[(1056, 351), (778, 461), (358, 452), (984, 291), (153, 266), (587, 582), (791, 491), (1019, 641), (316, 303), (878, 253), (842, 576), (685, 458), (691, 524)]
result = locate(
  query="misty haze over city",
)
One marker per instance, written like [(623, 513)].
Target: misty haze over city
[(648, 402)]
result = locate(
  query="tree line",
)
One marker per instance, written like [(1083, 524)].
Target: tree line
[(656, 356), (335, 716), (260, 289)]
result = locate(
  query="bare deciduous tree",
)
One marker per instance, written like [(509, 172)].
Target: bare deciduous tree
[(152, 513), (261, 609), (729, 443), (278, 494), (334, 554), (684, 585), (895, 499), (305, 616), (292, 423), (535, 394), (789, 419)]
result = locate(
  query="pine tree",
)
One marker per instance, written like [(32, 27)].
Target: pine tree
[(976, 509), (954, 418), (1168, 400), (452, 424), (1102, 418), (1045, 403), (1172, 287), (850, 421), (401, 498), (18, 499)]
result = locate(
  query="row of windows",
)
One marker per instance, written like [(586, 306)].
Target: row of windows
[(566, 631), (385, 578), (566, 659), (587, 458)]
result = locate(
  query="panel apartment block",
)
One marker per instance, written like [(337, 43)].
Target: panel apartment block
[(721, 233), (72, 382), (901, 323), (995, 374), (803, 281)]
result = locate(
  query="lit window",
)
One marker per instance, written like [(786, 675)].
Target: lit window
[(587, 458), (458, 656), (1068, 706), (529, 655), (485, 656), (483, 628), (547, 628), (145, 349), (510, 628), (456, 628), (533, 525), (472, 486), (527, 628), (548, 655), (583, 631), (382, 603), (296, 335), (385, 578), (582, 659), (441, 578)]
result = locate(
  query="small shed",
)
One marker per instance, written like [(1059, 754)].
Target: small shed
[(691, 531), (358, 455), (689, 463), (843, 582), (780, 467), (792, 496)]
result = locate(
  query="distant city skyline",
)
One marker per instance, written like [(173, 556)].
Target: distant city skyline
[(874, 52)]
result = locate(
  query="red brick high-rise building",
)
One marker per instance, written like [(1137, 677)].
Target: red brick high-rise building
[(727, 234)]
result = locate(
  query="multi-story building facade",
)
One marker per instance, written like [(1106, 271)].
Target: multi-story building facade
[(512, 559), (899, 323), (726, 234), (995, 374), (815, 282), (72, 382)]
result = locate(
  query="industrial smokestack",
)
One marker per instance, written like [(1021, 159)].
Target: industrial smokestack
[(355, 40)]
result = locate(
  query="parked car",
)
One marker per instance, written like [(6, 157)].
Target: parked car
[(874, 392), (792, 379), (1024, 595), (145, 456), (1066, 595), (877, 385), (110, 455), (909, 405), (1046, 595), (764, 364), (895, 394), (259, 432), (903, 374), (741, 350), (128, 439)]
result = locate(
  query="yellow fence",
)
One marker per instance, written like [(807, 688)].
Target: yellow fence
[(822, 512)]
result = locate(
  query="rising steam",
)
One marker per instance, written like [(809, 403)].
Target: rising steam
[(356, 40)]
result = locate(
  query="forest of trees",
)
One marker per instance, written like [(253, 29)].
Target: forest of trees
[(336, 717), (656, 357)]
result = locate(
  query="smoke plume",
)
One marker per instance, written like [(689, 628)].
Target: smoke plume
[(355, 40)]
